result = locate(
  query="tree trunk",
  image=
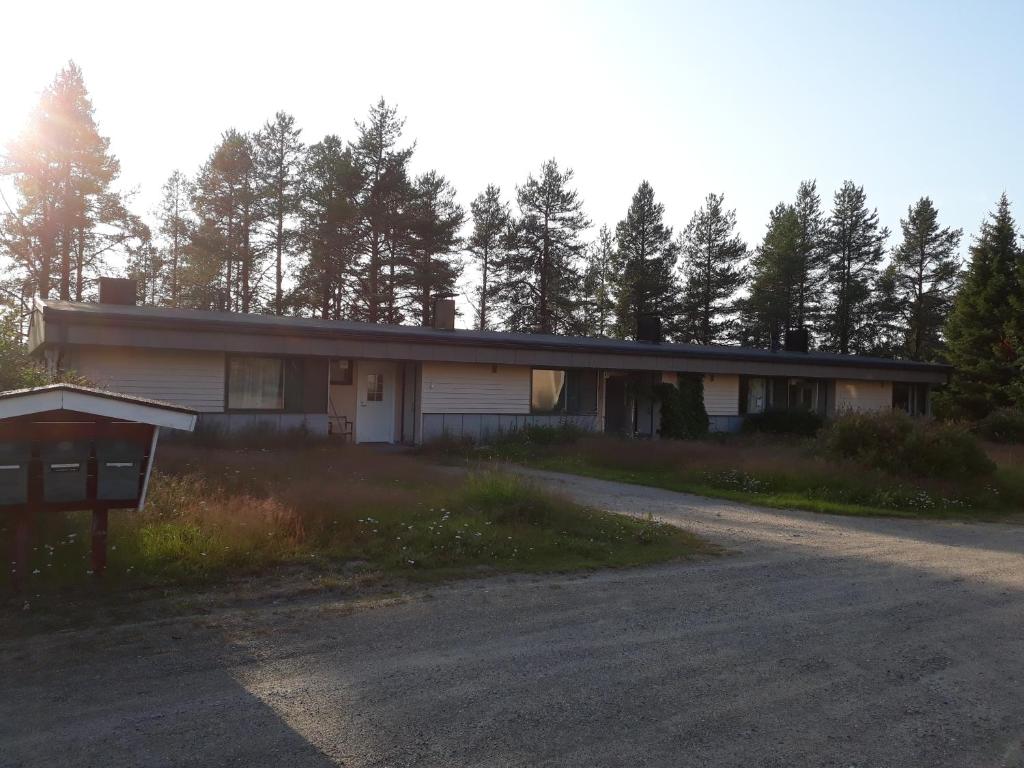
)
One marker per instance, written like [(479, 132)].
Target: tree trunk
[(545, 320), (483, 290), (80, 265), (65, 263)]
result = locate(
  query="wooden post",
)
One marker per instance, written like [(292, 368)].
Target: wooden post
[(22, 549), (99, 542)]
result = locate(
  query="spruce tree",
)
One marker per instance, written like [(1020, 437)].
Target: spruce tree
[(146, 265), (542, 278), (713, 271), (979, 331), (174, 227), (1015, 335), (888, 315), (854, 245), (487, 245), (434, 267), (644, 265), (777, 294), (810, 258), (278, 156), (926, 268)]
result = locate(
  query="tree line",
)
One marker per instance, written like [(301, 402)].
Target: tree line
[(345, 229)]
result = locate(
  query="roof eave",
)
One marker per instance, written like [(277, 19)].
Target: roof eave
[(226, 324)]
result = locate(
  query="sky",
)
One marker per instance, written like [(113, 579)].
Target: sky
[(741, 98)]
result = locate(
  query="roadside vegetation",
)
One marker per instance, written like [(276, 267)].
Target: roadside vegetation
[(220, 514), (857, 464)]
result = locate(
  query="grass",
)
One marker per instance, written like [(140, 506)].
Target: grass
[(217, 513), (773, 471)]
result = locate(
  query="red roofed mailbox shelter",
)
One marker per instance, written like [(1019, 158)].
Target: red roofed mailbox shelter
[(66, 447)]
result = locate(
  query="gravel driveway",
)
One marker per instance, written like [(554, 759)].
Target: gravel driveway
[(820, 640)]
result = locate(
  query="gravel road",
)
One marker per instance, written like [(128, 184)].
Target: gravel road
[(819, 641)]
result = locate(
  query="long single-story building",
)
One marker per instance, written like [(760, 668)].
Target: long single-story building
[(389, 384)]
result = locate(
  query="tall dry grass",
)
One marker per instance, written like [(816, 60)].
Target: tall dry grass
[(217, 513)]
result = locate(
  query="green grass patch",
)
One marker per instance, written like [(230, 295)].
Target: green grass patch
[(772, 471), (217, 513)]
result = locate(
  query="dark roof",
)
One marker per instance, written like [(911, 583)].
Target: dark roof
[(200, 320)]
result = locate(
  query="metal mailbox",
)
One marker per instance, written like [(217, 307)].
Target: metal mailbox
[(65, 448), (14, 463), (65, 470), (118, 469)]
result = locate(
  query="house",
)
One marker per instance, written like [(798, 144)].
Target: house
[(386, 384)]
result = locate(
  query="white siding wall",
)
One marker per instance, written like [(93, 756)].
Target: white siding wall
[(471, 388), (722, 394), (863, 395), (192, 379)]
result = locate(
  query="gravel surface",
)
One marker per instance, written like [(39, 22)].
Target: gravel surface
[(819, 641)]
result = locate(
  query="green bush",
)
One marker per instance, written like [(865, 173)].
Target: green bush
[(894, 442), (682, 408), (20, 371), (783, 422), (871, 438), (945, 451), (1004, 425)]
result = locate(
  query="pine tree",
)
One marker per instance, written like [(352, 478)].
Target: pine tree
[(278, 157), (542, 277), (487, 246), (713, 255), (67, 216), (777, 297), (385, 195), (854, 245), (978, 340), (596, 305), (174, 226), (645, 263), (434, 266), (926, 269), (331, 231)]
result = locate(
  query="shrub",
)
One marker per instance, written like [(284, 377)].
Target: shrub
[(682, 408), (784, 422), (894, 442), (871, 438), (1004, 425), (941, 450)]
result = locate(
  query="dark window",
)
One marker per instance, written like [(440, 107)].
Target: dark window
[(341, 371), (901, 396), (802, 395)]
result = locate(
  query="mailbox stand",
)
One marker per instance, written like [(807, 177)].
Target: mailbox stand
[(66, 447)]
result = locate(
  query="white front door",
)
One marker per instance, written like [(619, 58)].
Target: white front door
[(375, 417)]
